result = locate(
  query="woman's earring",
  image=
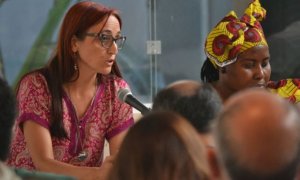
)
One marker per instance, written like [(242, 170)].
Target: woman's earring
[(75, 67), (75, 58)]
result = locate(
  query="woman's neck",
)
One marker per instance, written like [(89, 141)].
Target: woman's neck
[(84, 82), (82, 93), (223, 92)]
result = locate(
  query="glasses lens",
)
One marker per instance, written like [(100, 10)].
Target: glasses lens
[(120, 42), (106, 40)]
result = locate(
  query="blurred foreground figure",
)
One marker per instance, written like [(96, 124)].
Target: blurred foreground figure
[(161, 145), (258, 137)]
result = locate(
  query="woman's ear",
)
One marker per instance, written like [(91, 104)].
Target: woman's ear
[(223, 70), (74, 44)]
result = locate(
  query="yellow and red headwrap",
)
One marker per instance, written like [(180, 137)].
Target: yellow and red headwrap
[(232, 35)]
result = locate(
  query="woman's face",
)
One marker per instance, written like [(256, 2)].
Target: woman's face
[(252, 69), (93, 57)]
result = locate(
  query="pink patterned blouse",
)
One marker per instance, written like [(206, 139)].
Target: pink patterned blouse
[(106, 117)]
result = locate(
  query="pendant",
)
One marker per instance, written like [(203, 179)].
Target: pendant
[(82, 156)]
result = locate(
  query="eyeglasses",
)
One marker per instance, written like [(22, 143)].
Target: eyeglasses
[(107, 39)]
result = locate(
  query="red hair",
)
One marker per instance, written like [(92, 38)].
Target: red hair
[(77, 21)]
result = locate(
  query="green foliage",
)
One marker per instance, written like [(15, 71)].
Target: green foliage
[(39, 52)]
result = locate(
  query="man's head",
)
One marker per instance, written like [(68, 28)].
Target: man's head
[(199, 103), (258, 136), (7, 115)]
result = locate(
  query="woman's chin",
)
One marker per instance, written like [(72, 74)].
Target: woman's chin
[(105, 71)]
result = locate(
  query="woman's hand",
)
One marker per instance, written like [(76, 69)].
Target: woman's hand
[(39, 143)]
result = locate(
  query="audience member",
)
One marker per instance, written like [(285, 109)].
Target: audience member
[(238, 56), (258, 137), (8, 112), (7, 115), (199, 104), (161, 145), (69, 107)]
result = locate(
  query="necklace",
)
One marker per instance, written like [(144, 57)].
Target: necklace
[(83, 154)]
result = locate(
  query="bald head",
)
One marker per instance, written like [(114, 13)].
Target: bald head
[(258, 132), (184, 87)]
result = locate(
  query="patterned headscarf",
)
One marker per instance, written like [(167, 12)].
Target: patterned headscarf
[(232, 35)]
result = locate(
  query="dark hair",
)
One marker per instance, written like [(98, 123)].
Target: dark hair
[(208, 72), (200, 108), (163, 146), (7, 117), (60, 68)]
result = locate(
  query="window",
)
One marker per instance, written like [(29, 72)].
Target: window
[(164, 38)]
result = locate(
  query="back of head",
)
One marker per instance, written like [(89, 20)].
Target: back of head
[(161, 145), (198, 103), (258, 136), (7, 115)]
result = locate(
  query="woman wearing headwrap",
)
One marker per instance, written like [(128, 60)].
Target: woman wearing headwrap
[(238, 56)]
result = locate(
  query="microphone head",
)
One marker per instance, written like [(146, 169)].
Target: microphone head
[(123, 93)]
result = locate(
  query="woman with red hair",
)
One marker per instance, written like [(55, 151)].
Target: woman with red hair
[(69, 107)]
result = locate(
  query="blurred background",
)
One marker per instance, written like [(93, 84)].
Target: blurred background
[(165, 38)]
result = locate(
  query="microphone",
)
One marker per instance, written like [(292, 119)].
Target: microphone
[(126, 96)]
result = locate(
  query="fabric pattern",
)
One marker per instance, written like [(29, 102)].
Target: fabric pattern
[(106, 117), (286, 88), (232, 35)]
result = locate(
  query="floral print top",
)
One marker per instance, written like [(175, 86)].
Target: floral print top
[(105, 117)]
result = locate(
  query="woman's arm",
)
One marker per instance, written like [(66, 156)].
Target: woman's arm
[(115, 143), (39, 144)]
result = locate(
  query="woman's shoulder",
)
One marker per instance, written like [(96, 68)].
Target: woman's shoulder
[(33, 81), (284, 83), (33, 77), (286, 88)]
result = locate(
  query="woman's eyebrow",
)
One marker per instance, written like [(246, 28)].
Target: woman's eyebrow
[(109, 31), (253, 59), (106, 31), (248, 59)]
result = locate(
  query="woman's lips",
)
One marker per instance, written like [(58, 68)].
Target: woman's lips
[(110, 62), (260, 85)]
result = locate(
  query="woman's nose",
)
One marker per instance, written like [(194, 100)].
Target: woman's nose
[(259, 73), (113, 48)]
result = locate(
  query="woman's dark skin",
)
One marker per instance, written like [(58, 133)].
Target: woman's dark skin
[(252, 69)]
